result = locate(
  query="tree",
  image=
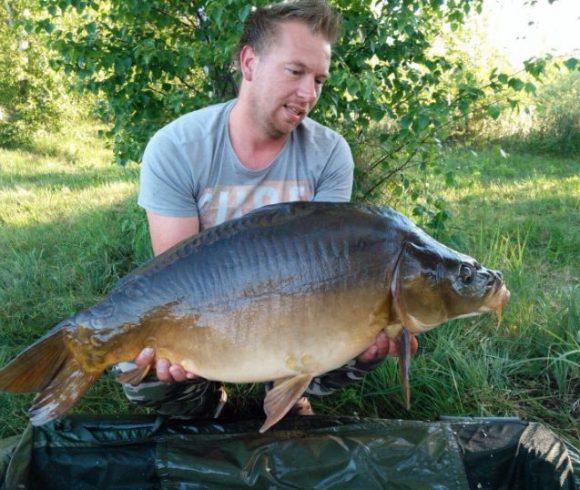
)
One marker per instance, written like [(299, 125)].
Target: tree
[(29, 90), (152, 61)]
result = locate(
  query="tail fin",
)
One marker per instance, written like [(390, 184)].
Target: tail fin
[(47, 367), (35, 367)]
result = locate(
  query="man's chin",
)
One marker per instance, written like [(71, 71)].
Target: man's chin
[(281, 130)]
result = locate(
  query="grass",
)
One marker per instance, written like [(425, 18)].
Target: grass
[(70, 227)]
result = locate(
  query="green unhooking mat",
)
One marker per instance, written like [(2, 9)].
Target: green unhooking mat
[(304, 452)]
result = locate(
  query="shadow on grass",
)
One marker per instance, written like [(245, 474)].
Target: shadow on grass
[(549, 226), (48, 270), (71, 180)]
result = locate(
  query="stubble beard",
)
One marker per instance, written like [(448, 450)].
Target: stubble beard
[(267, 120)]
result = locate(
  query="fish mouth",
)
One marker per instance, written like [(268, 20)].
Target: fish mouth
[(496, 300)]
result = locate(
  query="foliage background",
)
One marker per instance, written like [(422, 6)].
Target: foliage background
[(391, 94), (484, 157)]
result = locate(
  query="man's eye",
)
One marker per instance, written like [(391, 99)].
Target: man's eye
[(320, 82), (294, 72)]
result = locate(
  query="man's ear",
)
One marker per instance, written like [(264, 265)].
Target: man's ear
[(247, 62)]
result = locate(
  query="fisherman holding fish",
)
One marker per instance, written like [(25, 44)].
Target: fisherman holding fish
[(290, 293), (223, 161)]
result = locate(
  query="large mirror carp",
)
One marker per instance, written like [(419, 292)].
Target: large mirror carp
[(283, 294)]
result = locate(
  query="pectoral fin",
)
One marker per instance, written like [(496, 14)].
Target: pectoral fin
[(282, 398), (404, 344), (134, 376)]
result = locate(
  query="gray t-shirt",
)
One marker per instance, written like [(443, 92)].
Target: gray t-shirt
[(189, 168)]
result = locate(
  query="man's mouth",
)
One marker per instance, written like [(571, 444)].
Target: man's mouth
[(295, 112)]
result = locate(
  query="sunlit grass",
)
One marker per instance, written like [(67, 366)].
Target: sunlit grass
[(519, 214), (70, 227)]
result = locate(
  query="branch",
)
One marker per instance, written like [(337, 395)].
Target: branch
[(191, 87), (177, 19), (393, 172), (153, 89), (421, 142), (458, 98)]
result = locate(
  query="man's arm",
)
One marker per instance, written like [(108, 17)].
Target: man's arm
[(167, 192), (166, 231)]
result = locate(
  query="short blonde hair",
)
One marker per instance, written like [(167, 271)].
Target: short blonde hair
[(261, 25)]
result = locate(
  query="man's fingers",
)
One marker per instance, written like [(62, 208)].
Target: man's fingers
[(162, 368), (369, 354), (165, 371), (382, 344), (177, 372), (145, 357), (414, 344)]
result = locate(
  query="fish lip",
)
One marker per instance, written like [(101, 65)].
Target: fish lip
[(498, 296), (495, 287), (506, 296)]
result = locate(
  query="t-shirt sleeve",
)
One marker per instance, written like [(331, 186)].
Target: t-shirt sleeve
[(335, 184), (166, 181)]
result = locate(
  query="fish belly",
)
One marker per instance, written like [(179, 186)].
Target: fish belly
[(277, 336)]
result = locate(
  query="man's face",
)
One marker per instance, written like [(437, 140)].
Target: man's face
[(287, 78)]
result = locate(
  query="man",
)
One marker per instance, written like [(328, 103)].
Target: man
[(223, 161)]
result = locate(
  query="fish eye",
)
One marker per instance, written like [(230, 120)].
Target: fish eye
[(466, 273), (430, 276)]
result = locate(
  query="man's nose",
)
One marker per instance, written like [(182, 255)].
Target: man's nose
[(308, 89)]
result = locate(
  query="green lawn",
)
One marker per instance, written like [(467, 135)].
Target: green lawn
[(70, 227)]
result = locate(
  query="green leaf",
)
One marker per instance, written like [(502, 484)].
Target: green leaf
[(244, 12), (419, 210), (493, 110), (535, 67), (516, 83), (530, 88), (571, 63), (420, 123)]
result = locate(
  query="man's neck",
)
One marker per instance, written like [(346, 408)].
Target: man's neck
[(252, 145)]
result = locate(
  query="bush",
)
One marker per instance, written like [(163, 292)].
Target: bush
[(31, 93), (555, 116)]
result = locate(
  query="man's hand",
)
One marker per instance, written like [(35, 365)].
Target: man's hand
[(384, 346), (165, 371)]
